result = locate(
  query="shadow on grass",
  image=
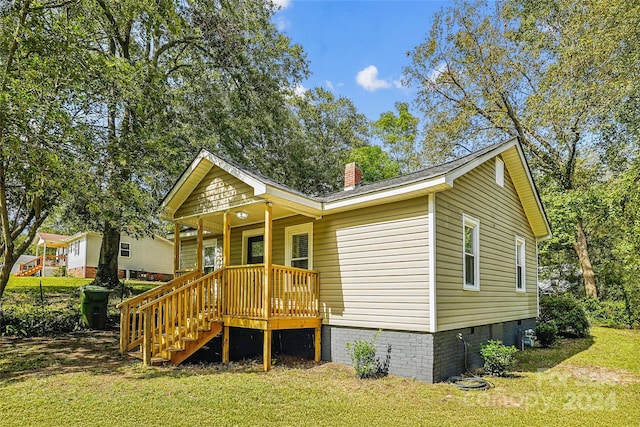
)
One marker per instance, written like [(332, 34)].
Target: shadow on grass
[(93, 352), (536, 359), (97, 353)]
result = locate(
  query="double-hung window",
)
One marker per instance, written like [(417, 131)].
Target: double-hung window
[(521, 284), (299, 246), (125, 249), (471, 249)]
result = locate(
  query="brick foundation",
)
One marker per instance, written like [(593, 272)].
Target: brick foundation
[(429, 357)]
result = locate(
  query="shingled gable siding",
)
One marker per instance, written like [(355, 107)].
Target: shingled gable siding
[(216, 191), (501, 218)]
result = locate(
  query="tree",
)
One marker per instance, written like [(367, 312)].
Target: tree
[(530, 71), (375, 163), (40, 69), (155, 65), (399, 134), (329, 129)]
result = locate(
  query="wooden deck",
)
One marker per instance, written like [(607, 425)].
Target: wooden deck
[(35, 265), (171, 322)]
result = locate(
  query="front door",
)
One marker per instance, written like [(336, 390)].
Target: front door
[(255, 249)]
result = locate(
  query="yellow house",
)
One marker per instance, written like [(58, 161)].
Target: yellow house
[(423, 257)]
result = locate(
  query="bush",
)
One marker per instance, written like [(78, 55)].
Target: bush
[(547, 333), (498, 358), (34, 321), (567, 313), (365, 362), (614, 314)]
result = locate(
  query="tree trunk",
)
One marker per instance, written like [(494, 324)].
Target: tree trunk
[(582, 249), (5, 274), (107, 274)]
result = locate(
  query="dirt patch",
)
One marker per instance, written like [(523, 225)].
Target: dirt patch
[(592, 375)]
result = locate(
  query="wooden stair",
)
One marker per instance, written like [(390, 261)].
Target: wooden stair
[(29, 272), (181, 349)]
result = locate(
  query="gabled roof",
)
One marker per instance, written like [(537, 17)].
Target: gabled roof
[(436, 178), (52, 240)]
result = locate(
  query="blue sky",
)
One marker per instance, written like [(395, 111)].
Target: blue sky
[(358, 49)]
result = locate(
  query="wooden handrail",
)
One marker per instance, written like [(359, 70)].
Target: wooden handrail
[(163, 322), (180, 314), (131, 320)]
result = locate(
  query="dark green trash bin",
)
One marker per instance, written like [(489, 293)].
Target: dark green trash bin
[(94, 301)]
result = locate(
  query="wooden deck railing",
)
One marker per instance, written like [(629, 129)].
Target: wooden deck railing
[(294, 292), (243, 295), (131, 316), (160, 323), (180, 314), (30, 267)]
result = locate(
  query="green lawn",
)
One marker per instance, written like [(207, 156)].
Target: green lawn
[(80, 379)]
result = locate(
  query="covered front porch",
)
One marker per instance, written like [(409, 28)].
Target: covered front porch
[(171, 322)]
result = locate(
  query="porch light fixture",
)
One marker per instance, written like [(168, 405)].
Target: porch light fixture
[(242, 215)]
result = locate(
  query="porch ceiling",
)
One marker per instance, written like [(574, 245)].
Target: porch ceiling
[(213, 222)]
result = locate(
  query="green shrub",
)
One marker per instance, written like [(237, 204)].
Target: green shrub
[(365, 362), (614, 314), (498, 358), (37, 321), (567, 313), (547, 333)]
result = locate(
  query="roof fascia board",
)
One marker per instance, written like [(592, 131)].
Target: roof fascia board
[(534, 189), (181, 181), (467, 167), (434, 184)]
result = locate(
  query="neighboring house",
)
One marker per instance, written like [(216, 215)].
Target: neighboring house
[(423, 257), (145, 258)]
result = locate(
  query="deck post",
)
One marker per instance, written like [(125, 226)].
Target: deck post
[(317, 338), (226, 240), (266, 354), (268, 260), (225, 344), (147, 339), (199, 253), (125, 319), (176, 249)]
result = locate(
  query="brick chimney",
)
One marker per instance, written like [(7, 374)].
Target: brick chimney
[(352, 176)]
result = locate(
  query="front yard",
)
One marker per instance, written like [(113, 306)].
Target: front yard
[(80, 379)]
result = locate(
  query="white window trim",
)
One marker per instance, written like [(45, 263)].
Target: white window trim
[(289, 232), (210, 243), (475, 223), (125, 256), (520, 240), (499, 172), (245, 237)]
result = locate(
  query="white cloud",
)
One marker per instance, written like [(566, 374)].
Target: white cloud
[(437, 72), (398, 84), (282, 23), (368, 79), (281, 4), (329, 84), (300, 90)]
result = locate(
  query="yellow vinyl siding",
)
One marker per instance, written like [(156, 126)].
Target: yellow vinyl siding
[(217, 191), (188, 249), (501, 217), (374, 266)]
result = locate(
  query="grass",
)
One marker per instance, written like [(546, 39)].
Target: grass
[(80, 379), (31, 310)]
